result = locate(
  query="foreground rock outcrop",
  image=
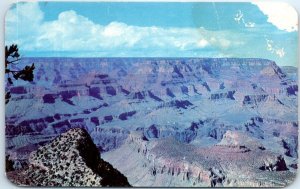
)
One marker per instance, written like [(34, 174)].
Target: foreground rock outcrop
[(72, 159)]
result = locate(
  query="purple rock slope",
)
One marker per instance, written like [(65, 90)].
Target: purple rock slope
[(184, 111)]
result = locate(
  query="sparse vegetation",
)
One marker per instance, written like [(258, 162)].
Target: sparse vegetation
[(12, 58)]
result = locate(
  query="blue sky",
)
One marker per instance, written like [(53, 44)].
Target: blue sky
[(155, 30)]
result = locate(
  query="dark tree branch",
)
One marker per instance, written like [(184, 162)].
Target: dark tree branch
[(12, 58)]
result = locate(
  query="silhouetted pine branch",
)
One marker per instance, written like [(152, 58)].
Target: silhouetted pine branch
[(12, 57)]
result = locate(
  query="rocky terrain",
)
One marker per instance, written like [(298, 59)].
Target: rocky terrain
[(167, 162), (229, 108), (72, 159)]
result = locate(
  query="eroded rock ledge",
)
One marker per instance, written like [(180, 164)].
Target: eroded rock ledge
[(72, 159)]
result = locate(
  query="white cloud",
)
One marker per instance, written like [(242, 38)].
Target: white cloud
[(114, 29), (280, 14), (74, 32), (203, 43), (22, 22)]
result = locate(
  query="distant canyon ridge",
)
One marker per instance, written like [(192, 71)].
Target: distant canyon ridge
[(165, 121)]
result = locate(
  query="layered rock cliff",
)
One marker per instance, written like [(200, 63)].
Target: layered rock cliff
[(204, 103), (168, 162)]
